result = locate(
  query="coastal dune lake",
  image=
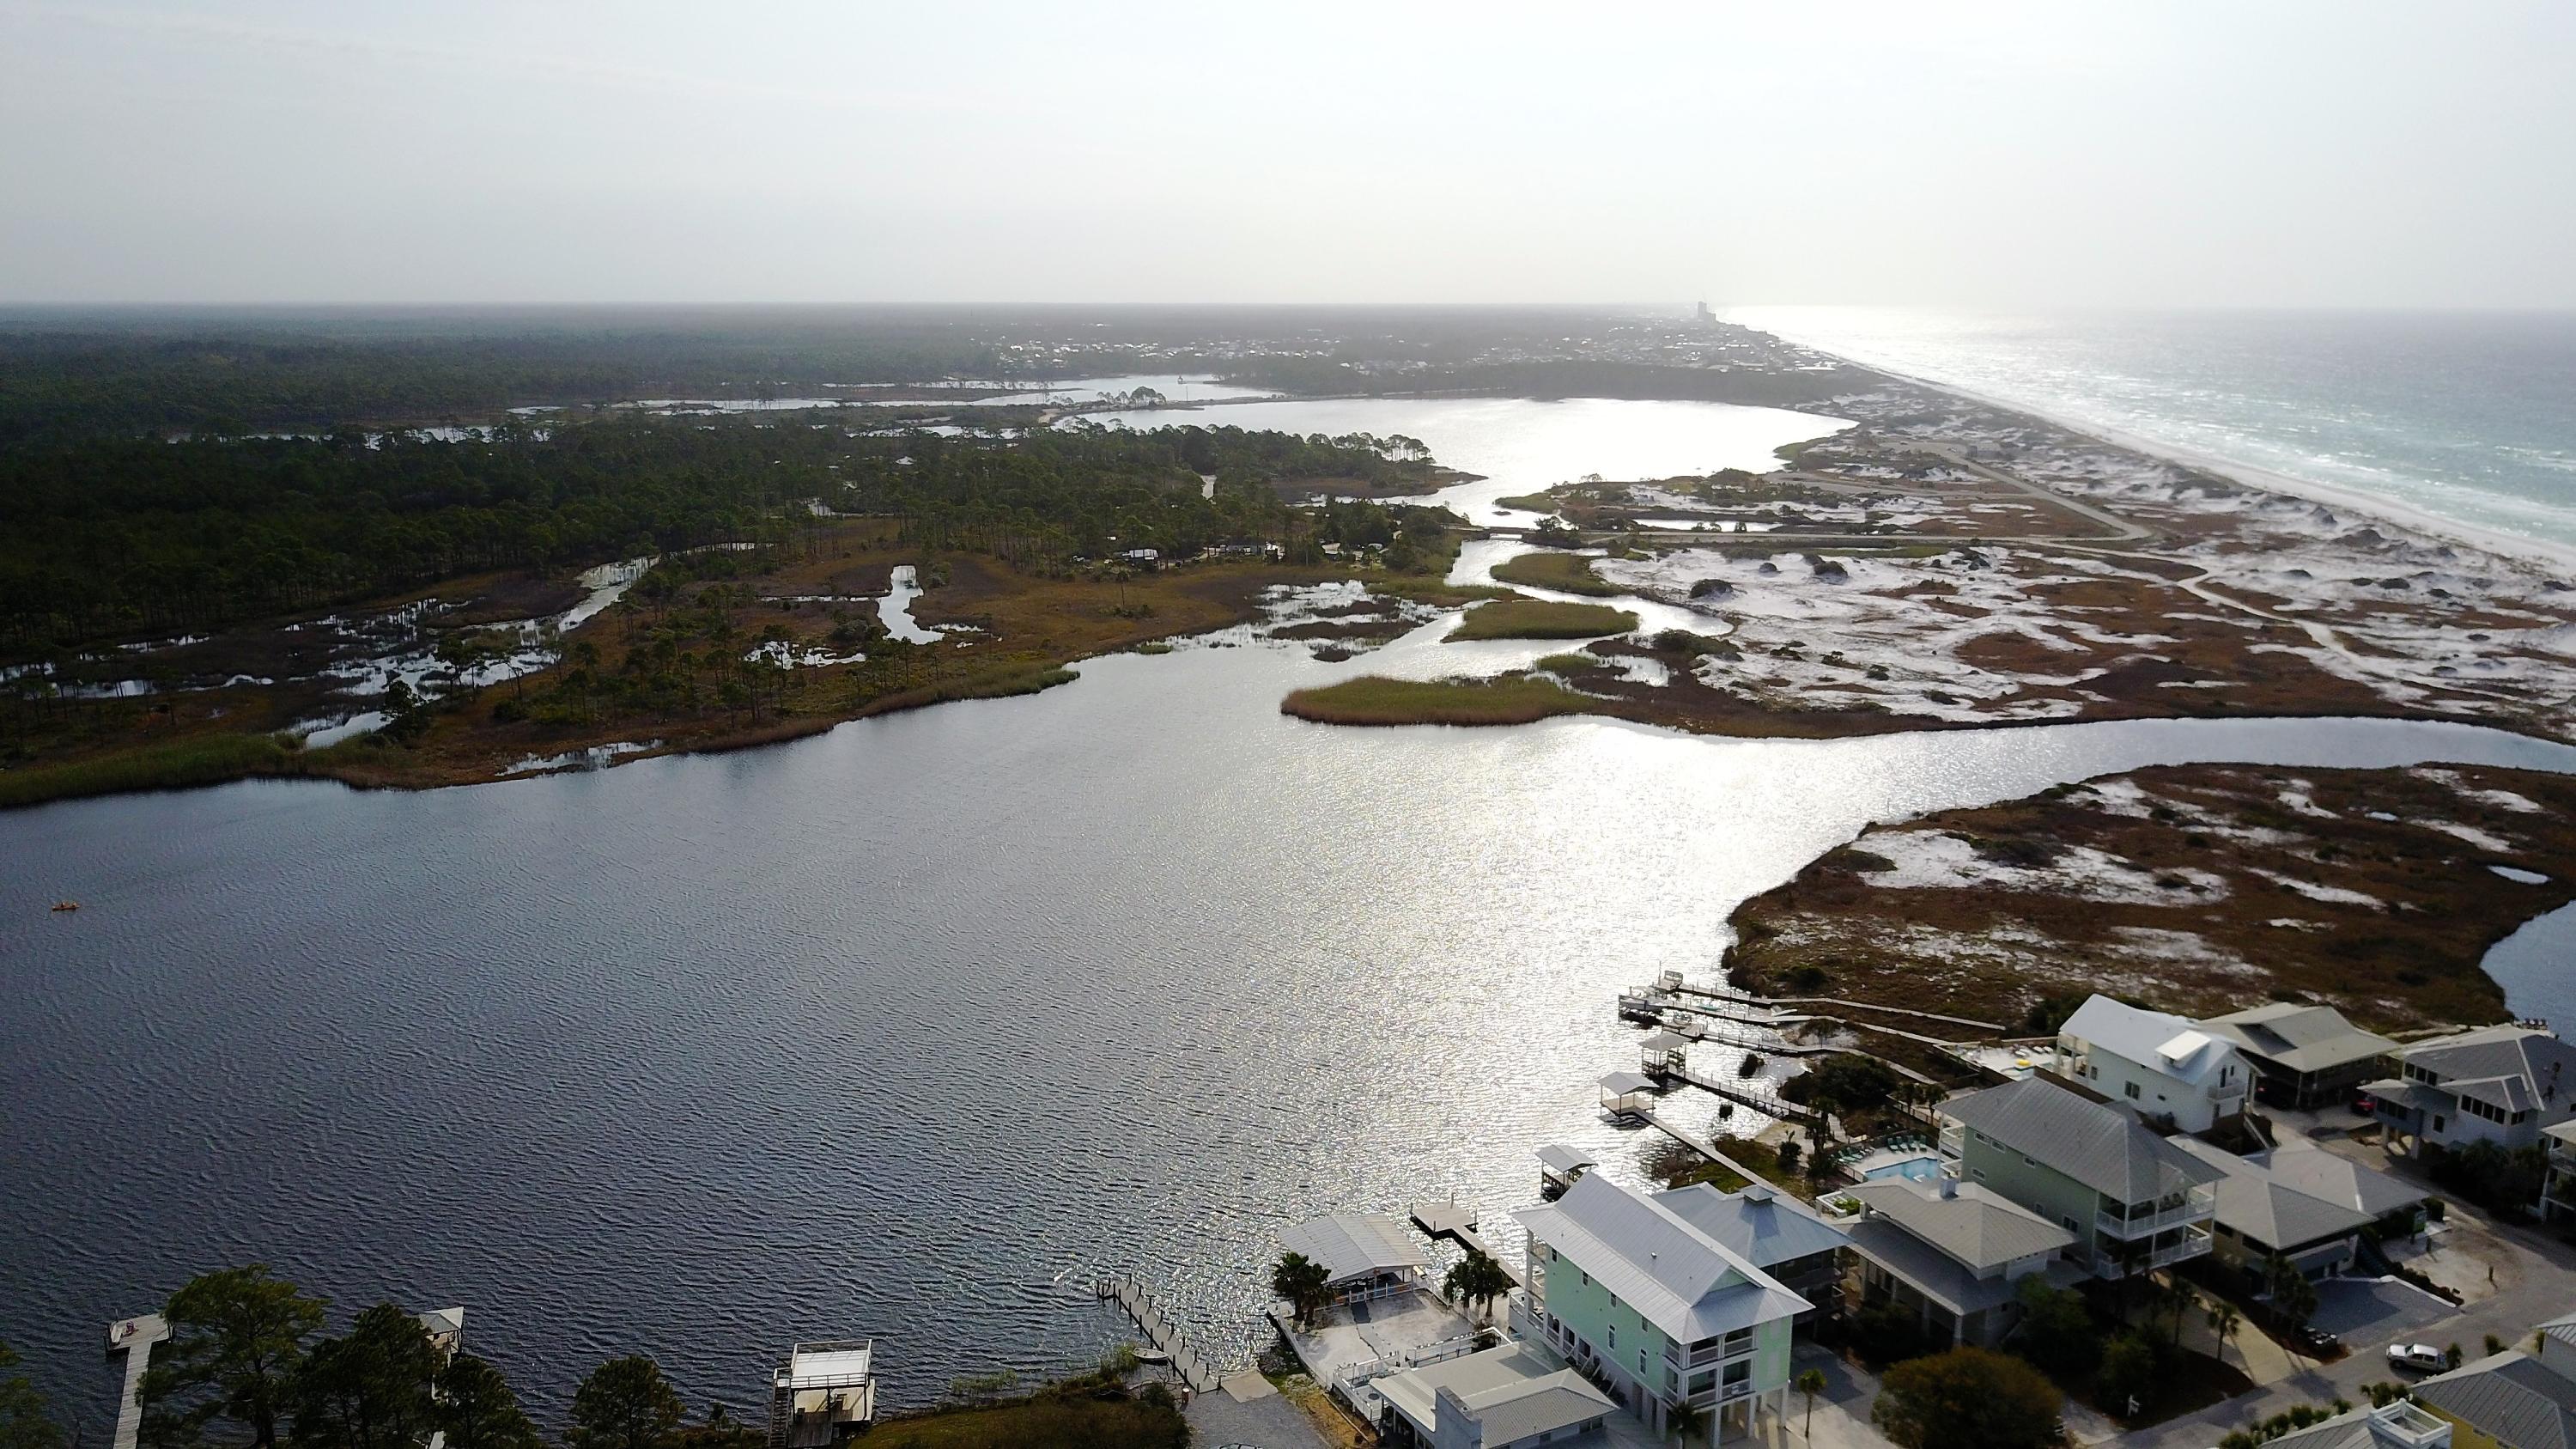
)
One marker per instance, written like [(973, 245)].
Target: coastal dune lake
[(906, 1030)]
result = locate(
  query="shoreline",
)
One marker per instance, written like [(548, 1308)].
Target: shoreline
[(2560, 558)]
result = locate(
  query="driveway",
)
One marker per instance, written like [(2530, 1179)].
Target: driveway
[(2371, 1313)]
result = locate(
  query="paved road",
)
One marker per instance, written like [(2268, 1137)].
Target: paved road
[(2546, 1288)]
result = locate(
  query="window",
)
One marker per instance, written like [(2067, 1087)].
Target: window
[(1740, 1341), (1738, 1372), (2133, 1090), (2437, 1124), (1614, 1335), (1641, 1361), (1702, 1383), (2070, 1223)]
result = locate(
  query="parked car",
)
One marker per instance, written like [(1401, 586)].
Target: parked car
[(2421, 1357)]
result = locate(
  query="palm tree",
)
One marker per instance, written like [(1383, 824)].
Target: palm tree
[(1810, 1382), (1479, 1280), (2179, 1300), (1686, 1421), (1300, 1280), (2224, 1320)]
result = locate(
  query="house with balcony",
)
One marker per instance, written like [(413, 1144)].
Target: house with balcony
[(2501, 1084), (2159, 1064), (1654, 1310), (1772, 1230), (1952, 1253), (2134, 1201), (2558, 1189), (2303, 1056), (2262, 1220)]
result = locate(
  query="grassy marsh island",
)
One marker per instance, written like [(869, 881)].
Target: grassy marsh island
[(1567, 573), (2191, 887), (1374, 699), (1541, 619)]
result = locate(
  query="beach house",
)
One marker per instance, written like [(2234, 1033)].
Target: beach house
[(2160, 1064), (1772, 1230), (2501, 1084), (1635, 1297), (1952, 1253), (2262, 1220), (2134, 1201), (2512, 1400), (2303, 1056)]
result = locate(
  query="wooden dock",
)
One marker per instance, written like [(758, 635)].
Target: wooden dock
[(1457, 1222), (1701, 1145), (1164, 1335), (136, 1336), (1747, 1092)]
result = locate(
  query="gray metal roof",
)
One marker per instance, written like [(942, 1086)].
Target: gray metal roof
[(2298, 1038), (1937, 1275), (2546, 1064), (2512, 1398), (2338, 1179), (1760, 1223), (2098, 1145), (2259, 1206), (1978, 1228), (1673, 1275)]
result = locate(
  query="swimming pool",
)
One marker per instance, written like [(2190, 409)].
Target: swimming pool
[(1918, 1169)]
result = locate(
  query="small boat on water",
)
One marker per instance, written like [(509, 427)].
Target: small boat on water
[(67, 905)]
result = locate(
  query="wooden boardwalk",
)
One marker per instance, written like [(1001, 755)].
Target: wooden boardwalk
[(1161, 1332), (1701, 1145), (1748, 1092), (135, 1336)]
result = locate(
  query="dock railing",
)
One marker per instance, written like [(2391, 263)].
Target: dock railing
[(1162, 1332)]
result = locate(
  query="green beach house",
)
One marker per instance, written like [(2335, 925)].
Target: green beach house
[(1642, 1301)]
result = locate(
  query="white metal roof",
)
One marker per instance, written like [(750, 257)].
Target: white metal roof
[(1675, 1276), (1620, 1084), (1512, 1391), (2156, 1040), (828, 1365), (1558, 1157), (1355, 1245)]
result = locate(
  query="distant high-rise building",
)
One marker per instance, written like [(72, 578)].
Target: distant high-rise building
[(1705, 314)]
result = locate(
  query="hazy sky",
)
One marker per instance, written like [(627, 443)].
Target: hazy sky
[(583, 150)]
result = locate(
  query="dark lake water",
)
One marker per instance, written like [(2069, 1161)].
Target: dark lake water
[(906, 1029)]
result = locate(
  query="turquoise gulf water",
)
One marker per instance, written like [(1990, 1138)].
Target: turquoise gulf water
[(2467, 418)]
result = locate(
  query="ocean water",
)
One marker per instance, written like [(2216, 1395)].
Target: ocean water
[(2468, 418)]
